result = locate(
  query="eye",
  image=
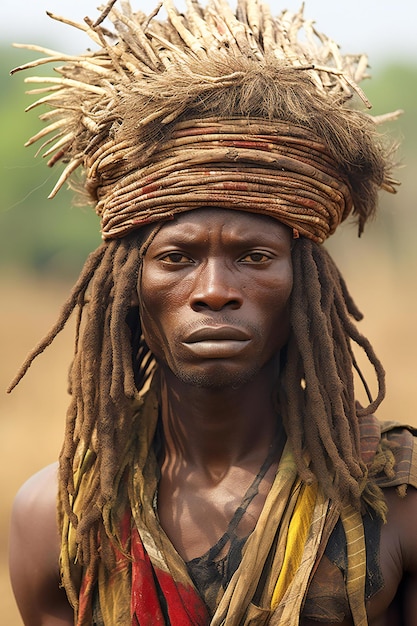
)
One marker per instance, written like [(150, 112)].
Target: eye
[(176, 258), (255, 257)]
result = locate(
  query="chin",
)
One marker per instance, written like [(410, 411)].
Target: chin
[(218, 378)]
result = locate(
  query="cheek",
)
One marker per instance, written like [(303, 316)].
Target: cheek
[(279, 323), (277, 303), (159, 311), (150, 312), (278, 287)]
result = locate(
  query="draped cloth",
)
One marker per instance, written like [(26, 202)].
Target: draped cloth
[(149, 583)]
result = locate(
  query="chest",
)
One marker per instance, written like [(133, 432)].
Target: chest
[(195, 513)]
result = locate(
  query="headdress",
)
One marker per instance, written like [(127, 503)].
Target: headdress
[(213, 108)]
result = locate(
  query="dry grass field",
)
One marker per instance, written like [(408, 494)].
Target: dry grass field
[(32, 417)]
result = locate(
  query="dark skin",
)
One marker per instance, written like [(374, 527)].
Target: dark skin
[(215, 289)]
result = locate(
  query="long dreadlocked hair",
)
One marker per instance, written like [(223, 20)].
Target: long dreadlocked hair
[(111, 362)]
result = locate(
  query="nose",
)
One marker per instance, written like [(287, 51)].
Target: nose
[(216, 288)]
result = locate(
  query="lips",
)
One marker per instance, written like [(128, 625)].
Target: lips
[(217, 333), (217, 342)]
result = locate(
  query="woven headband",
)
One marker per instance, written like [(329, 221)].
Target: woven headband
[(275, 169)]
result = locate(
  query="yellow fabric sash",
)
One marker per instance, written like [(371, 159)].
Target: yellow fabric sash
[(297, 535), (272, 579)]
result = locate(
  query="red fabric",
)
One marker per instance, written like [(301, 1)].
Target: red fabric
[(184, 605), (86, 599)]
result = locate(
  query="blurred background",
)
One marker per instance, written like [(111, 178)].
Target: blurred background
[(45, 242)]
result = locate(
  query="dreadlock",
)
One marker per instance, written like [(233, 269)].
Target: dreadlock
[(112, 364), (318, 405)]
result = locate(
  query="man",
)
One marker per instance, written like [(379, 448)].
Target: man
[(217, 468)]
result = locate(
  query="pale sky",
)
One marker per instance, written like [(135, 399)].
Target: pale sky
[(385, 29)]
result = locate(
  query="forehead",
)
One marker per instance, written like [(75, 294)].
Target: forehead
[(240, 225)]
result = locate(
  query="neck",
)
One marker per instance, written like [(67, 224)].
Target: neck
[(216, 428)]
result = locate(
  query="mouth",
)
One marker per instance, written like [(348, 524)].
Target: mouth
[(217, 342), (217, 333)]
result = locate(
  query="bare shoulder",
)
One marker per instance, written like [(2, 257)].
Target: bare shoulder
[(34, 552), (402, 523), (34, 514), (41, 485), (399, 553)]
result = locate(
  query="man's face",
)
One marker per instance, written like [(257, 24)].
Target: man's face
[(214, 295)]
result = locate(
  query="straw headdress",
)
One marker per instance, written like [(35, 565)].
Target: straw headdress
[(212, 107)]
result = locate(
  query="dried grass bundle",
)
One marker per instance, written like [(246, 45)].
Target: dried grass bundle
[(112, 109)]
